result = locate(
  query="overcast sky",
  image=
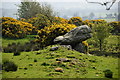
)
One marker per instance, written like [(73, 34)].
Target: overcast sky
[(64, 7)]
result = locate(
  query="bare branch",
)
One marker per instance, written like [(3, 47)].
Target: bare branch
[(104, 3)]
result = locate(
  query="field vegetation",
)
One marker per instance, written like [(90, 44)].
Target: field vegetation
[(27, 42)]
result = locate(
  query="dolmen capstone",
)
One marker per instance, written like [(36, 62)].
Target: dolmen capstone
[(75, 38)]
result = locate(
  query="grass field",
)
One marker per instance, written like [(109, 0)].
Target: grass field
[(6, 41), (82, 65), (42, 63)]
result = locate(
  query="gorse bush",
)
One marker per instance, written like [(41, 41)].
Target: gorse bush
[(76, 21), (60, 20), (41, 21), (91, 23), (3, 19), (12, 28), (98, 21), (48, 34), (87, 22)]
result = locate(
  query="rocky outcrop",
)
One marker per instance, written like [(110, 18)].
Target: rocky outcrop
[(75, 37)]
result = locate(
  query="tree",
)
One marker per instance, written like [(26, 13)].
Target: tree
[(29, 8), (119, 17), (92, 15), (101, 32)]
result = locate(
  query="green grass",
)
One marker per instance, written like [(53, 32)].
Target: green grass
[(85, 66), (6, 41)]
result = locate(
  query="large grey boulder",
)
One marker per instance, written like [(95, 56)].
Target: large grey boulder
[(75, 37)]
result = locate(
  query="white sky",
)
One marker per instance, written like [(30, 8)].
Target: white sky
[(58, 0), (69, 6)]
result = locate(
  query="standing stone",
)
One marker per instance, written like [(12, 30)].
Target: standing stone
[(75, 38)]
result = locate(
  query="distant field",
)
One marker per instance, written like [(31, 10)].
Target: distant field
[(110, 20), (6, 41)]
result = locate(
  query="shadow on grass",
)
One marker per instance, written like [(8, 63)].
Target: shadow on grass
[(104, 53)]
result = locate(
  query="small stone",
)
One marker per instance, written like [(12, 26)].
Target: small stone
[(54, 48), (63, 60), (58, 62), (58, 69), (97, 75), (73, 63), (52, 54)]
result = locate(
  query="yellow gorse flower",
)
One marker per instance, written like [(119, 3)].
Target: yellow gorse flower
[(13, 28)]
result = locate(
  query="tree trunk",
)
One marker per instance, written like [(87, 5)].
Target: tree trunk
[(100, 45)]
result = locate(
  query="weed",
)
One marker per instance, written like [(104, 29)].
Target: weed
[(9, 66)]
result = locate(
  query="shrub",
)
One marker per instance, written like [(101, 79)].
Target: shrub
[(100, 33), (76, 21), (12, 28), (0, 66), (17, 48), (16, 53), (40, 21), (85, 46), (116, 26), (10, 48), (8, 19), (87, 22), (9, 66), (45, 64), (48, 34), (97, 21), (108, 73), (35, 60), (60, 20)]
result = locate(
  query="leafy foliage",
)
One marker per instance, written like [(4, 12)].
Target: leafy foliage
[(29, 8), (101, 32)]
